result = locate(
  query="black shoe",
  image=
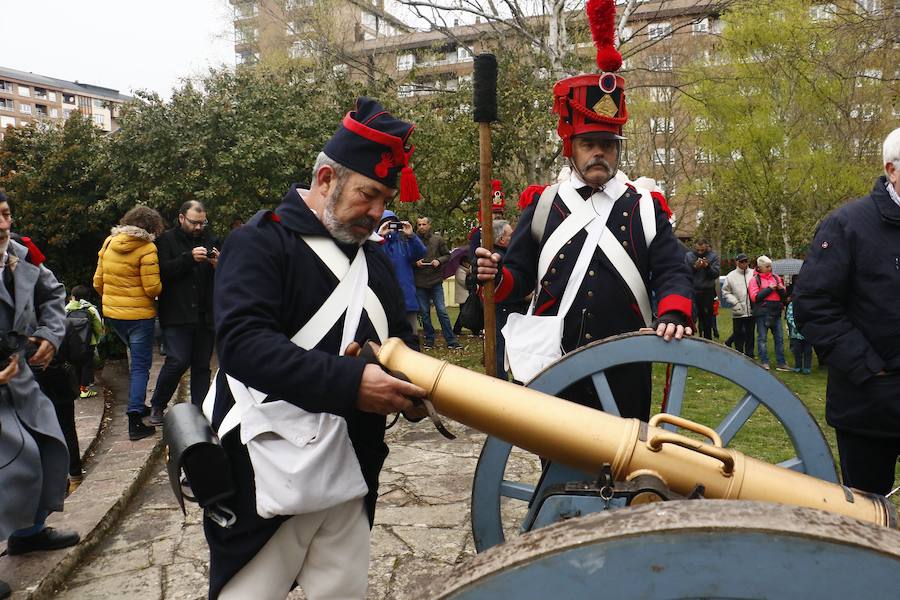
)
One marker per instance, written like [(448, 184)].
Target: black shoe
[(47, 539), (156, 416), (136, 428)]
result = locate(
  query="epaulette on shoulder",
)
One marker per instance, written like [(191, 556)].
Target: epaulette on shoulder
[(263, 216)]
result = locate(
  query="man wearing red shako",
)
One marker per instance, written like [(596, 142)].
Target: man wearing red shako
[(302, 422), (594, 249)]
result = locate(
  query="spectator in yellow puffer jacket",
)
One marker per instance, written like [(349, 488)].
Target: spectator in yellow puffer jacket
[(127, 279)]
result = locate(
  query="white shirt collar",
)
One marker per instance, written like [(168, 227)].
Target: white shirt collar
[(892, 192), (613, 188)]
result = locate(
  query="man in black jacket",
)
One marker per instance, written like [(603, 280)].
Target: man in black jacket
[(846, 305), (187, 262), (704, 264)]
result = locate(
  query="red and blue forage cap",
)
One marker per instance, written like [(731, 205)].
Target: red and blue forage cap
[(594, 103), (373, 143)]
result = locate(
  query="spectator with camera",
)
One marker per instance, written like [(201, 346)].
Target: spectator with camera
[(704, 264), (32, 448), (187, 260), (404, 248), (768, 295)]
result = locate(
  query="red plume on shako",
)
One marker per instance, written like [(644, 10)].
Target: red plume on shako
[(594, 103)]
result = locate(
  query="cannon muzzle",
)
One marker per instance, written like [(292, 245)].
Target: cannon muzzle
[(586, 438)]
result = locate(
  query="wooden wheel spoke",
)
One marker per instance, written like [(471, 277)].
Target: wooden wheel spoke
[(607, 401), (739, 415), (517, 490), (675, 397)]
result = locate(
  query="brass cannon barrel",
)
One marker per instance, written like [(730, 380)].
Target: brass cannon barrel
[(585, 438)]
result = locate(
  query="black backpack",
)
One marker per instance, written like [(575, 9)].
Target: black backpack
[(76, 344)]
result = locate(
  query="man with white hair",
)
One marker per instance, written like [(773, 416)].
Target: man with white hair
[(846, 305), (300, 416)]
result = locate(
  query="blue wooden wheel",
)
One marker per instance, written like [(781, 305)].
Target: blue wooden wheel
[(688, 549), (760, 387)]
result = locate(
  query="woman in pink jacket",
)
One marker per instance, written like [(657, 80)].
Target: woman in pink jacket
[(767, 293)]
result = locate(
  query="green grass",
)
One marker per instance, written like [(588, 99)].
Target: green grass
[(708, 397)]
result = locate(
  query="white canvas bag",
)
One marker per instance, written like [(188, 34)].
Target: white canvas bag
[(304, 462)]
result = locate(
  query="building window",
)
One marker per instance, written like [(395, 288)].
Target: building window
[(24, 91), (661, 94), (299, 50), (245, 10), (25, 109), (701, 156), (54, 113), (246, 57), (7, 104), (98, 103), (40, 93), (405, 91), (68, 98), (700, 27), (701, 124), (869, 6), (51, 96), (463, 54), (6, 86), (7, 122), (661, 62), (868, 76), (405, 62), (662, 125), (822, 12), (40, 110), (658, 31), (99, 119), (664, 156), (369, 20), (627, 33), (717, 26), (67, 112)]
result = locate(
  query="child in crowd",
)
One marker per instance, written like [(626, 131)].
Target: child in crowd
[(800, 346), (78, 301)]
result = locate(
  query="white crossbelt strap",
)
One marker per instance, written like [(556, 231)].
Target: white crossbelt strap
[(587, 211), (351, 295)]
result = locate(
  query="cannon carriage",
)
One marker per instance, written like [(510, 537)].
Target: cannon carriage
[(800, 530)]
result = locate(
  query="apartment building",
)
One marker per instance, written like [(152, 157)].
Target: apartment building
[(27, 97), (302, 28)]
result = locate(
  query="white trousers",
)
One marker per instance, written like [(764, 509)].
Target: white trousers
[(325, 552)]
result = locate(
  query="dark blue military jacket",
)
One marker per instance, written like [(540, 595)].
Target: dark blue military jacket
[(269, 283), (604, 305), (846, 305)]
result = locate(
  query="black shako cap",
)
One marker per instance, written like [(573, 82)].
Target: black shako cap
[(371, 142)]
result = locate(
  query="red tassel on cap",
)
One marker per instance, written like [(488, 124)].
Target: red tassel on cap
[(601, 15), (409, 186)]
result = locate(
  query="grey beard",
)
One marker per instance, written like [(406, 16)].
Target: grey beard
[(339, 230)]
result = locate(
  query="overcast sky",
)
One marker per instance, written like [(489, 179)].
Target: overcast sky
[(121, 44)]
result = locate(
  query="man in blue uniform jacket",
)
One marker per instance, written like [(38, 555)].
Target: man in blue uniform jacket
[(595, 249), (301, 420), (846, 305)]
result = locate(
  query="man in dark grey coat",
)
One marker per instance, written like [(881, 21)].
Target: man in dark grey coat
[(429, 284), (32, 448), (846, 305)]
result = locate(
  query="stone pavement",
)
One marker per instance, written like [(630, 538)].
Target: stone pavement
[(421, 529)]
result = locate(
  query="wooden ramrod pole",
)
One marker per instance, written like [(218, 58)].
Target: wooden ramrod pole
[(487, 241)]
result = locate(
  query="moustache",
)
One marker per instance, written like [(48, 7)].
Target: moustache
[(597, 161)]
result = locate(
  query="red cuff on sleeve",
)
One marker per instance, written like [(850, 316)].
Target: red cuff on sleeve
[(676, 302), (506, 285)]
